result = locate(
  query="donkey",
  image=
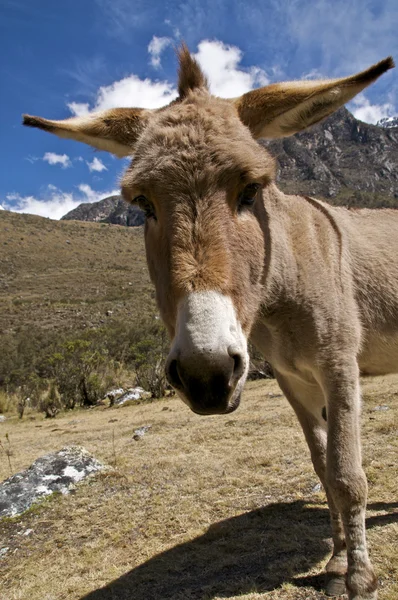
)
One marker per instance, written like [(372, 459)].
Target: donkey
[(232, 257)]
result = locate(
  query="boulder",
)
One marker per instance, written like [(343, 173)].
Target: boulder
[(137, 393), (56, 472), (112, 395)]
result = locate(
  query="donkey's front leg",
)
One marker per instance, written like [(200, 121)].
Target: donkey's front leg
[(314, 427), (345, 477)]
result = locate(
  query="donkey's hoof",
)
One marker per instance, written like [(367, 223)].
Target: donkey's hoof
[(335, 584)]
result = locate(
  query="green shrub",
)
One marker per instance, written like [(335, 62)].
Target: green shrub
[(50, 403), (79, 371), (148, 357), (83, 365), (4, 402)]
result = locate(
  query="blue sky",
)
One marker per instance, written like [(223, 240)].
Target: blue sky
[(71, 57)]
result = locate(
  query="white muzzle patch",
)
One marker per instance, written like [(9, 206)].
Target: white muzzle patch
[(207, 333)]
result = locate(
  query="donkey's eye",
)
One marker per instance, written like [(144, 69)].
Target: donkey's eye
[(146, 205), (248, 195)]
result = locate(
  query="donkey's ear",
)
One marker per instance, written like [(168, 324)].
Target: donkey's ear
[(283, 109), (115, 130)]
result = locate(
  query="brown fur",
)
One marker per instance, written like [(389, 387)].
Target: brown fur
[(190, 75), (315, 286), (115, 130), (303, 103)]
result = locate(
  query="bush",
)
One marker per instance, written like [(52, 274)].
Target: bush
[(4, 402), (30, 392), (80, 373), (21, 405), (82, 367), (148, 357), (142, 347), (24, 352), (50, 404)]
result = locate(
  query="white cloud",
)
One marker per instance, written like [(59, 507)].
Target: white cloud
[(370, 113), (220, 64), (156, 46), (91, 195), (1, 208), (96, 165), (130, 91), (219, 61), (57, 159), (137, 92), (79, 108), (54, 203)]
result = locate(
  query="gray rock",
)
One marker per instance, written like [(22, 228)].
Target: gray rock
[(140, 432), (323, 162), (2, 418), (55, 472), (137, 393), (382, 407), (112, 209), (316, 488), (388, 122), (115, 393)]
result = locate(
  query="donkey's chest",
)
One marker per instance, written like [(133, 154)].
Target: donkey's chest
[(284, 350)]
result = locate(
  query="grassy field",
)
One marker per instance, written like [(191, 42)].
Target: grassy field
[(200, 508), (67, 275)]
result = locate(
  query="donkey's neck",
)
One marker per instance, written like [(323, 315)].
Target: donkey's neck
[(300, 234)]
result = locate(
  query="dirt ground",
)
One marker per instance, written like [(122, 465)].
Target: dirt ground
[(200, 508)]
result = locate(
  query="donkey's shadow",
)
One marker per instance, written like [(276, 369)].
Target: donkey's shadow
[(255, 551)]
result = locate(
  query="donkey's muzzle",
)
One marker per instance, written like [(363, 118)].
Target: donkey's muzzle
[(207, 383), (208, 359)]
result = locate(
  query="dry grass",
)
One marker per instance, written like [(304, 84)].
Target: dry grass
[(67, 275), (200, 508)]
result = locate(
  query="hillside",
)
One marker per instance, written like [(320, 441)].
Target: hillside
[(67, 275), (342, 160)]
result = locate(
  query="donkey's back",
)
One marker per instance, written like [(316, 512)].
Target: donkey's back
[(373, 244)]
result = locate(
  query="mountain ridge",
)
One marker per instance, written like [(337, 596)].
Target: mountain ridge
[(112, 209)]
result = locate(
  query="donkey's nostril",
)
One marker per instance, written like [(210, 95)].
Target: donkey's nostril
[(239, 365), (172, 374)]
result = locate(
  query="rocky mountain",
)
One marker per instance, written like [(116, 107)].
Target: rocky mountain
[(112, 209), (342, 160), (388, 122)]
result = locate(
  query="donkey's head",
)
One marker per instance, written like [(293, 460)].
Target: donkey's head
[(198, 174)]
